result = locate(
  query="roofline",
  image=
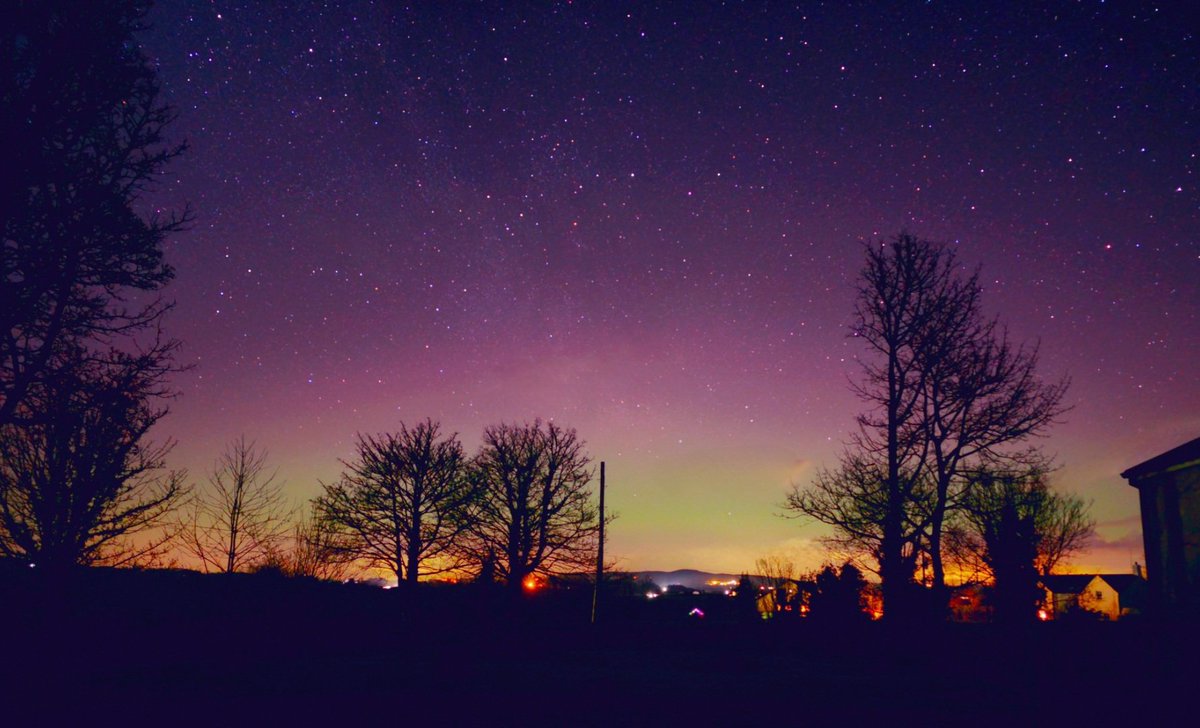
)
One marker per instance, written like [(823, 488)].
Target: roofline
[(1178, 458)]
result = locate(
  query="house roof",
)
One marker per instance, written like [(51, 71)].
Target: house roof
[(1121, 582), (1067, 583), (1187, 453), (1076, 583)]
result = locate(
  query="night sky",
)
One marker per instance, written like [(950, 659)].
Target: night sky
[(646, 222)]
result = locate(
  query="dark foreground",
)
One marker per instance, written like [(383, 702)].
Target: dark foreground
[(129, 648)]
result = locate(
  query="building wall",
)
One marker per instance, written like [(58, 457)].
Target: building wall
[(1060, 604), (1171, 532), (1099, 596)]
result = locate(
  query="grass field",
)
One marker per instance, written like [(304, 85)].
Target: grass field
[(181, 648)]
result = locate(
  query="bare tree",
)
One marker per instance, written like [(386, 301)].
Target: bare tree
[(1065, 527), (243, 516), (776, 569), (79, 483), (982, 395), (1015, 527), (946, 392), (905, 287), (854, 499), (536, 512), (403, 503), (779, 574), (83, 129), (838, 595), (315, 552)]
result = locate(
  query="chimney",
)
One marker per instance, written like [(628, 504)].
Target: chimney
[(1137, 569)]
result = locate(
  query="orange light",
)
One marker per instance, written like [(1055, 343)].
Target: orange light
[(1043, 615), (530, 583)]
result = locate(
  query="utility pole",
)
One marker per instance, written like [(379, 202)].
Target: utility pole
[(600, 551)]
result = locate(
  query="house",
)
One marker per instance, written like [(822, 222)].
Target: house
[(1112, 596), (970, 603), (1062, 593), (785, 597), (1169, 495)]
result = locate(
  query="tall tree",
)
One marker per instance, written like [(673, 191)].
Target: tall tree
[(1016, 527), (83, 128), (905, 288), (79, 483), (946, 391), (243, 516), (982, 397), (536, 513), (403, 503)]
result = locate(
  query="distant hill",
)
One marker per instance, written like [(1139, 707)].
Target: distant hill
[(690, 578)]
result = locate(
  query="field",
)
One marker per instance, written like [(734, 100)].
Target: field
[(151, 647)]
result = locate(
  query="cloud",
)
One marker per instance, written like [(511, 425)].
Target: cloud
[(1130, 541), (1125, 522), (800, 470)]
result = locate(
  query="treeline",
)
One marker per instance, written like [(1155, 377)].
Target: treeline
[(85, 367), (410, 502), (84, 364)]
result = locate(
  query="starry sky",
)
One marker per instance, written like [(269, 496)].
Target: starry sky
[(645, 221)]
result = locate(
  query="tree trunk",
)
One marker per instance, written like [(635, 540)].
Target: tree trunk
[(892, 547), (414, 556), (891, 568), (935, 540)]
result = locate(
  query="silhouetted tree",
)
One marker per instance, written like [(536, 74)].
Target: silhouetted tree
[(854, 499), (487, 569), (904, 289), (946, 392), (981, 396), (315, 552), (83, 135), (536, 512), (837, 595), (242, 517), (404, 503), (1017, 528), (779, 573), (777, 570), (745, 596), (79, 483)]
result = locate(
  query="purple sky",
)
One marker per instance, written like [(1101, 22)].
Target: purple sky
[(646, 223)]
